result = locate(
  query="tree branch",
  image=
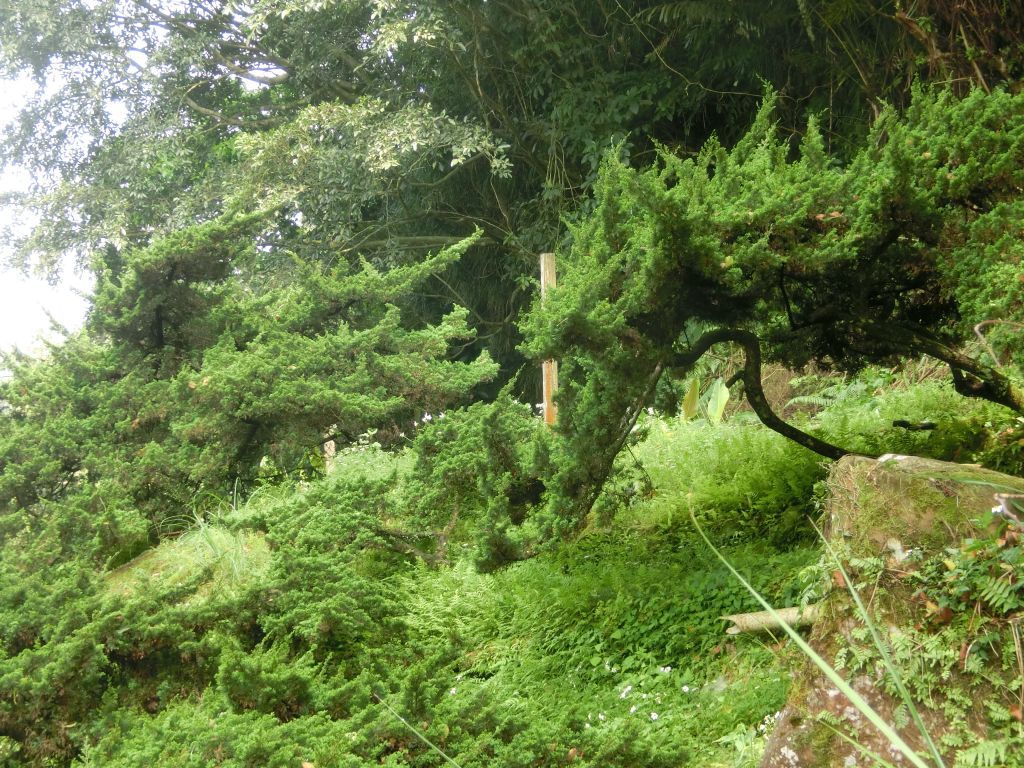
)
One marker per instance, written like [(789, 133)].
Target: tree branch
[(404, 242), (754, 391), (971, 377), (253, 123)]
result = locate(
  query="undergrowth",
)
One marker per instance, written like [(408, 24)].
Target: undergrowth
[(327, 623)]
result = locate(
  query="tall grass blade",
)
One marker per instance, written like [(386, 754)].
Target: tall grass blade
[(878, 759), (410, 726)]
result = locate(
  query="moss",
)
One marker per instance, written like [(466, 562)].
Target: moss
[(948, 652), (917, 502), (820, 740)]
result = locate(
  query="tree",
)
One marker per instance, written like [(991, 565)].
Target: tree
[(900, 252), (184, 380), (390, 129), (352, 133)]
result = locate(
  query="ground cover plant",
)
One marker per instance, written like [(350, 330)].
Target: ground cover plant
[(608, 652), (302, 625)]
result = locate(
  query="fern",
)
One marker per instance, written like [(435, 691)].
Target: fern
[(991, 752), (820, 401), (690, 13), (1000, 594), (832, 394)]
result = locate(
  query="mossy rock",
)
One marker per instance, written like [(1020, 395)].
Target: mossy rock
[(882, 509), (910, 500)]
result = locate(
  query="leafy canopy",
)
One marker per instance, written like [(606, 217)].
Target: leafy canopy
[(901, 251)]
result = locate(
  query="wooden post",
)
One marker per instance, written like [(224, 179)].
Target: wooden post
[(330, 448), (550, 367)]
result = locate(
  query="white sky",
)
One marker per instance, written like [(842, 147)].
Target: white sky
[(25, 301)]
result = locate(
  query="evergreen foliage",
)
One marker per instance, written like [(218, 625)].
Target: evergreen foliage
[(391, 128), (185, 379), (481, 468), (316, 222), (799, 259)]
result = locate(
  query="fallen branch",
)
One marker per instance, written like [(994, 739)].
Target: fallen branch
[(796, 616)]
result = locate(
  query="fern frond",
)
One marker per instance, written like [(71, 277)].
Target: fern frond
[(821, 401), (690, 13), (1000, 594), (984, 754)]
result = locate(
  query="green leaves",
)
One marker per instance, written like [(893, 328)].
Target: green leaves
[(717, 399), (840, 265), (335, 161), (689, 407), (188, 374)]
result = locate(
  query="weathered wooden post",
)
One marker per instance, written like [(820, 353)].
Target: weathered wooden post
[(329, 447), (550, 367)]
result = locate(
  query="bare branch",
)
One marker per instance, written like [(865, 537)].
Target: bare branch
[(414, 241), (753, 389), (266, 122)]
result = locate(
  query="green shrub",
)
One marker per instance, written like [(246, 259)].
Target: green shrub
[(268, 680), (202, 731), (863, 421), (477, 471)]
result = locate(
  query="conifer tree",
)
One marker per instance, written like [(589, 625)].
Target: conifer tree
[(901, 252)]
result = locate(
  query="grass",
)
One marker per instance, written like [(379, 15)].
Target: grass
[(233, 560)]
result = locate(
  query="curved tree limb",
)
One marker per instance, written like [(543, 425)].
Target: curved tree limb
[(751, 376), (971, 377)]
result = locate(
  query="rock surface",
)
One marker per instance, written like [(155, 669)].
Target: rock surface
[(881, 508)]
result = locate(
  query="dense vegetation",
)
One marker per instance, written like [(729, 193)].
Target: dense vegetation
[(316, 222)]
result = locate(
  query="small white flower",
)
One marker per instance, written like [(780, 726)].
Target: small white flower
[(600, 716), (586, 725), (625, 691), (452, 691), (427, 417), (654, 715), (650, 411), (686, 689), (665, 670), (632, 709)]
